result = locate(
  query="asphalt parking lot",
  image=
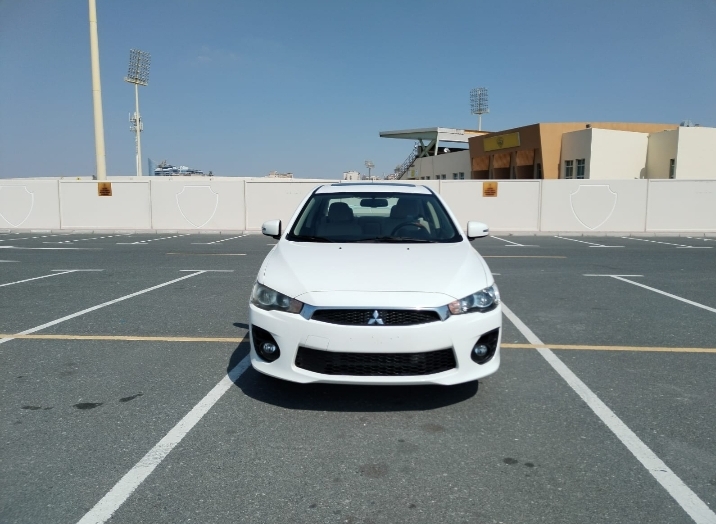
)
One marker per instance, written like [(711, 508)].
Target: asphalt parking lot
[(115, 399)]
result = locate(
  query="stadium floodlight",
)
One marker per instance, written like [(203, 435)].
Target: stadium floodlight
[(370, 165), (478, 104), (97, 94), (137, 74)]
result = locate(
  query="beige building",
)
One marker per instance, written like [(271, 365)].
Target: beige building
[(535, 151)]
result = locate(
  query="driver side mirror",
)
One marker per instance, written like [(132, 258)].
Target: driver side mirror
[(477, 230), (272, 228)]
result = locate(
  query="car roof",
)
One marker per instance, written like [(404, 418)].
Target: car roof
[(369, 187)]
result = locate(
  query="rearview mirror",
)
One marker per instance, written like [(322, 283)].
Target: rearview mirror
[(477, 230), (374, 202), (272, 228)]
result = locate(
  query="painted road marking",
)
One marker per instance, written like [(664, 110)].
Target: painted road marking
[(236, 340), (80, 239), (704, 239), (212, 254), (217, 241), (58, 273), (613, 275), (26, 238), (122, 490), (99, 306), (1, 261), (682, 494), (687, 301), (144, 242), (591, 244), (521, 256), (51, 248), (678, 246), (510, 242)]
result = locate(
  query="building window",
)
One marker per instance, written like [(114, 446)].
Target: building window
[(580, 168), (461, 175), (568, 168), (454, 176), (443, 176), (672, 168)]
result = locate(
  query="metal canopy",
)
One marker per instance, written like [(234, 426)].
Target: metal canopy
[(439, 134)]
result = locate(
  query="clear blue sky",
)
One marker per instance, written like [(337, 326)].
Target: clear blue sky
[(244, 88)]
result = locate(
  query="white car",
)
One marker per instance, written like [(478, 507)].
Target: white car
[(375, 283)]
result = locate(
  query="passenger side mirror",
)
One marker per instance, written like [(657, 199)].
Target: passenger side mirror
[(477, 230), (272, 228)]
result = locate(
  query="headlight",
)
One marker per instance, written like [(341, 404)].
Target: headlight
[(484, 300), (266, 298)]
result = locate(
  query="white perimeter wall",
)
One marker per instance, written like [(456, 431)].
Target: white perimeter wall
[(232, 204)]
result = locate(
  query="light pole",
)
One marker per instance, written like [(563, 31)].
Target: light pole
[(138, 74), (370, 165), (478, 104), (97, 94)]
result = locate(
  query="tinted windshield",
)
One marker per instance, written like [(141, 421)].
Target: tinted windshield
[(373, 217)]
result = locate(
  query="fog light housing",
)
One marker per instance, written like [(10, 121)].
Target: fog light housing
[(265, 345), (485, 347)]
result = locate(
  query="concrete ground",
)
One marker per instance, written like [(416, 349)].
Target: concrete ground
[(90, 418)]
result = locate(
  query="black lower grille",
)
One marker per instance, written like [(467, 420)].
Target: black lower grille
[(375, 364), (368, 317)]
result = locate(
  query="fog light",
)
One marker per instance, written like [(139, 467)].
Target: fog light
[(266, 346), (270, 348), (480, 350), (485, 347)]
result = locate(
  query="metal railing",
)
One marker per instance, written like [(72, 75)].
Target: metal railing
[(400, 171)]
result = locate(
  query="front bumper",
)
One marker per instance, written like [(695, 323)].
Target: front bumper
[(459, 332)]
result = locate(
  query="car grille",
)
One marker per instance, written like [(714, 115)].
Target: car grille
[(375, 364), (386, 317)]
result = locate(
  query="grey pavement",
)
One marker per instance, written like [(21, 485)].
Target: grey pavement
[(520, 446)]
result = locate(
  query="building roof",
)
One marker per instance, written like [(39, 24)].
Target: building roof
[(442, 134)]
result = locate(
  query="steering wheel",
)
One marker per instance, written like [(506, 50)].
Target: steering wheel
[(409, 223)]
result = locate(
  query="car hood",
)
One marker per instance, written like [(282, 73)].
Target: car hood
[(453, 269)]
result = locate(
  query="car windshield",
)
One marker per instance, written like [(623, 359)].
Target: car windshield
[(378, 217)]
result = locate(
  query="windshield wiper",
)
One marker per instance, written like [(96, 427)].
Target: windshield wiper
[(397, 240), (310, 238)]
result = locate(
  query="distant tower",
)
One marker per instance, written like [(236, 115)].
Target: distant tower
[(370, 165), (478, 104), (137, 74)]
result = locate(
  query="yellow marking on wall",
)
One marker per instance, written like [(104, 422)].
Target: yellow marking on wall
[(494, 143), (489, 189)]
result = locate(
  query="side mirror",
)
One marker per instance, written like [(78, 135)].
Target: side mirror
[(272, 228), (477, 230)]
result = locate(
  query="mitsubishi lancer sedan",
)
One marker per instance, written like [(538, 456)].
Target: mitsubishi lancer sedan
[(375, 283)]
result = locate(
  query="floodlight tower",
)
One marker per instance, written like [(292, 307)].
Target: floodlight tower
[(478, 104), (97, 94), (370, 165), (138, 74)]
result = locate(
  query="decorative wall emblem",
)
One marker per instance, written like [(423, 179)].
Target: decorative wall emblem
[(197, 204), (593, 205), (16, 204)]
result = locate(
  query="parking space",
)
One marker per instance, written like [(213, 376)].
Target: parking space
[(115, 399)]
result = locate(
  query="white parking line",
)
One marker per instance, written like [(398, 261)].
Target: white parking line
[(99, 306), (79, 240), (704, 239), (591, 244), (26, 238), (511, 242), (1, 261), (678, 246), (107, 505), (50, 248), (685, 300), (216, 241), (143, 242), (682, 494), (58, 273)]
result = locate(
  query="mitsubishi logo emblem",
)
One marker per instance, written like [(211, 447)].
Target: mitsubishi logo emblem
[(376, 319)]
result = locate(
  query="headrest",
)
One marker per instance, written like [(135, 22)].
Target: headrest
[(405, 208), (340, 212)]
